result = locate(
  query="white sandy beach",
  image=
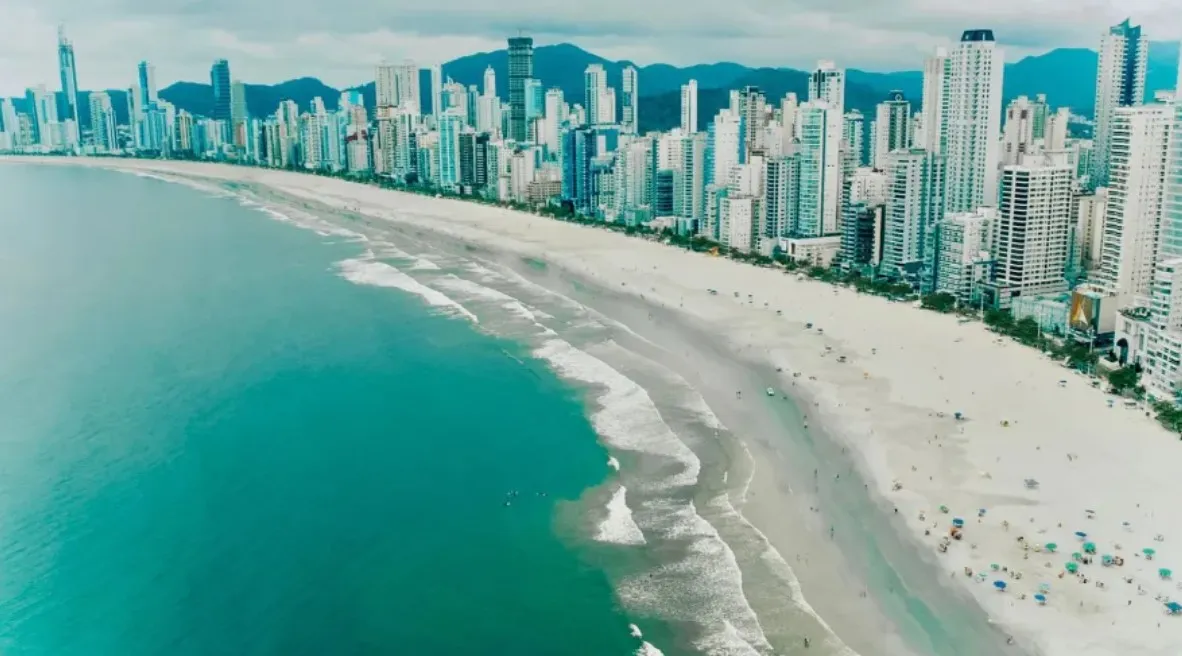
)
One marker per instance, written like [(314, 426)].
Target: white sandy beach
[(906, 372)]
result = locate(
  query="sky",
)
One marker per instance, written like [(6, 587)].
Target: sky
[(268, 41)]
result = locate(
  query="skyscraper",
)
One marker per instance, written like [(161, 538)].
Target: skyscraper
[(102, 121), (914, 202), (935, 105), (973, 121), (1018, 137), (892, 127), (147, 85), (69, 73), (631, 101), (1031, 238), (820, 169), (854, 128), (689, 107), (828, 83), (594, 84), (1170, 241), (219, 79), (1138, 149), (521, 68), (1120, 82), (490, 82), (385, 82)]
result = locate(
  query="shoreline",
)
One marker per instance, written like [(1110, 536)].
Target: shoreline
[(1085, 455)]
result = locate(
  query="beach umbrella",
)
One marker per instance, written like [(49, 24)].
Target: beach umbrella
[(1173, 607), (1164, 573), (1051, 546), (1149, 551), (1000, 585), (1081, 535), (957, 522), (1073, 567), (944, 509), (1044, 587), (1090, 547), (994, 566), (1040, 598), (1106, 559), (1075, 555)]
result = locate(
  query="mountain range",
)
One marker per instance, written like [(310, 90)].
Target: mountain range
[(1066, 75)]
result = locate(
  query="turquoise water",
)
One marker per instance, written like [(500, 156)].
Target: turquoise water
[(212, 443)]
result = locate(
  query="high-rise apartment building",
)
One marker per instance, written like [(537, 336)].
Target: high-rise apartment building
[(914, 203), (853, 139), (521, 68), (490, 82), (102, 122), (891, 130), (594, 85), (935, 101), (827, 83), (689, 107), (630, 106), (820, 170), (1137, 173), (972, 121), (1018, 137), (1031, 238), (960, 260), (1120, 82), (1170, 237), (385, 82), (147, 85)]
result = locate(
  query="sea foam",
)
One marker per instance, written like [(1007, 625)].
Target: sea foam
[(619, 527), (627, 418), (379, 274), (476, 290)]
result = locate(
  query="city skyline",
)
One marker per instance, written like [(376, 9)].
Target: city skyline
[(297, 46)]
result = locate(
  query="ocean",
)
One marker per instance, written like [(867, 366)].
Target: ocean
[(237, 423), (215, 443)]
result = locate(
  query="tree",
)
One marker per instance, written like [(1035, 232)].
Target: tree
[(1027, 331), (1124, 379), (940, 302), (1000, 320), (1168, 415)]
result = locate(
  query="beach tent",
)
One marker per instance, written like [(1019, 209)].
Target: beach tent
[(1164, 573), (1073, 567), (1000, 585), (1051, 546), (1173, 608), (1041, 599)]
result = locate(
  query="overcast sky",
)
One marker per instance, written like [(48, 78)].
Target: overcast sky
[(339, 41)]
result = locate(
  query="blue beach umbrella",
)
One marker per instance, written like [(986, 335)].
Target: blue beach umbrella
[(1040, 598), (1173, 608), (1000, 585), (1081, 535), (958, 522)]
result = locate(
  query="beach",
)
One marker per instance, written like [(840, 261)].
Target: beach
[(1036, 456)]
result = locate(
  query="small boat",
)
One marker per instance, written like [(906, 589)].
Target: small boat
[(771, 392)]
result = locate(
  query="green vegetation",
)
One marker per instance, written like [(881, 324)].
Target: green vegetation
[(1169, 415), (1124, 380), (939, 302)]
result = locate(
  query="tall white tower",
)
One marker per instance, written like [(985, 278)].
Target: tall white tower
[(973, 121), (689, 107), (828, 83), (1136, 187), (594, 85), (935, 106), (490, 82), (1120, 82)]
